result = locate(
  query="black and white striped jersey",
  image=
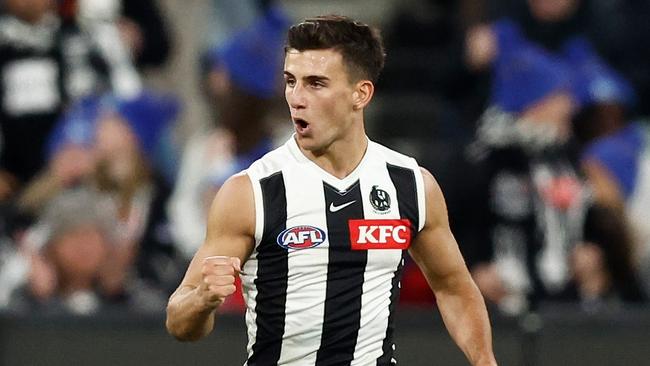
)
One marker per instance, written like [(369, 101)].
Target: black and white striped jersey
[(323, 280)]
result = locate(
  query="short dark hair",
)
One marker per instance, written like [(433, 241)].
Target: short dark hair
[(360, 44)]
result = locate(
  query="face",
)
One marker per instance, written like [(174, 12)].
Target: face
[(116, 147), (321, 98), (552, 115), (80, 252), (29, 10), (553, 10)]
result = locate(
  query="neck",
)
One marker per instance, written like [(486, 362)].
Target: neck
[(343, 155)]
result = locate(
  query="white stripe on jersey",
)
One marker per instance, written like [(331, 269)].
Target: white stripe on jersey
[(307, 268), (250, 267), (305, 289), (380, 270)]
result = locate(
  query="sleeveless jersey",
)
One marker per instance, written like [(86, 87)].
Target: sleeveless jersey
[(323, 280)]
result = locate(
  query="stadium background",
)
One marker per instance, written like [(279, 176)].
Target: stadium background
[(554, 334)]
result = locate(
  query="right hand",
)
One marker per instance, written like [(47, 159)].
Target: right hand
[(218, 279)]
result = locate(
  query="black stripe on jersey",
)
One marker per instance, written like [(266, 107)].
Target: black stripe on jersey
[(404, 182), (345, 274), (387, 347), (272, 275), (407, 194)]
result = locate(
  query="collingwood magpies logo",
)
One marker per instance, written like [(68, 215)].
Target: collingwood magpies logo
[(379, 199)]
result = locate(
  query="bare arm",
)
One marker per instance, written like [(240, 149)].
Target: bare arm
[(459, 300), (211, 274)]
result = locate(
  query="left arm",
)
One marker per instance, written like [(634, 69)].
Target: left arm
[(462, 307)]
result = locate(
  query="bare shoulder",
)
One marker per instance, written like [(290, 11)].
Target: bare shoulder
[(233, 208), (435, 250), (236, 187), (436, 207), (430, 182), (230, 227)]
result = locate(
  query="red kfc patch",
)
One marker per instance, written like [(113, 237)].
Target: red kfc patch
[(380, 234)]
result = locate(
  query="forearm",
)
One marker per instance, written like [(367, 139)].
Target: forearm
[(465, 316), (189, 318)]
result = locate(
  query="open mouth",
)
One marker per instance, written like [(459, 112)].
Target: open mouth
[(301, 124)]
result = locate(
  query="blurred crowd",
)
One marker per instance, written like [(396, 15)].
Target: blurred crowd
[(530, 113)]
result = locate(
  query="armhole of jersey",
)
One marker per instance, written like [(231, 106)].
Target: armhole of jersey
[(259, 209), (422, 202)]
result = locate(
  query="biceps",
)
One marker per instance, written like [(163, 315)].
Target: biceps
[(436, 253)]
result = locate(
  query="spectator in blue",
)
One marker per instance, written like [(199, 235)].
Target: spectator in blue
[(550, 25), (118, 137), (616, 162), (242, 82), (542, 225), (532, 200)]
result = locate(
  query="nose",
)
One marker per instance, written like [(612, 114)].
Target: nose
[(295, 96)]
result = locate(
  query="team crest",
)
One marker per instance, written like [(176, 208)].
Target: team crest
[(379, 199), (301, 237)]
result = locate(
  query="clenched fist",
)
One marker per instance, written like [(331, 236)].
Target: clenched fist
[(218, 279)]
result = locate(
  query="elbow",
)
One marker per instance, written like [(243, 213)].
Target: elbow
[(176, 329), (181, 328), (177, 333), (182, 334)]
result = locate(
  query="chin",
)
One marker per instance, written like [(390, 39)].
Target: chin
[(308, 144)]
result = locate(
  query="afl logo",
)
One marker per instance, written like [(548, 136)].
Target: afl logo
[(301, 237), (379, 199)]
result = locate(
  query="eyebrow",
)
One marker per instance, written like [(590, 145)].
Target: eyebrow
[(314, 78), (309, 78)]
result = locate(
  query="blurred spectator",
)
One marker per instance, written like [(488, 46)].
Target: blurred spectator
[(113, 139), (547, 23), (242, 82), (99, 19), (145, 33), (14, 267), (615, 158), (67, 252), (231, 16), (44, 63), (531, 200), (141, 26), (547, 238), (424, 40), (617, 28)]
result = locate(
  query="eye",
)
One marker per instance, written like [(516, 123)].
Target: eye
[(290, 82), (317, 84)]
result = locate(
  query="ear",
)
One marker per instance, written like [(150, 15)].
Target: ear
[(363, 92)]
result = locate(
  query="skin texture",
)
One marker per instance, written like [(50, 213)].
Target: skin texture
[(319, 91), (326, 107), (553, 10), (30, 11)]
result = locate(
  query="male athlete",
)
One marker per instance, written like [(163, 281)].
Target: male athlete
[(318, 228)]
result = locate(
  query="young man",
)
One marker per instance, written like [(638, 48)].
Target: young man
[(317, 229)]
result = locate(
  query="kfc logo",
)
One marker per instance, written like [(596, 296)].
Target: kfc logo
[(380, 234)]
